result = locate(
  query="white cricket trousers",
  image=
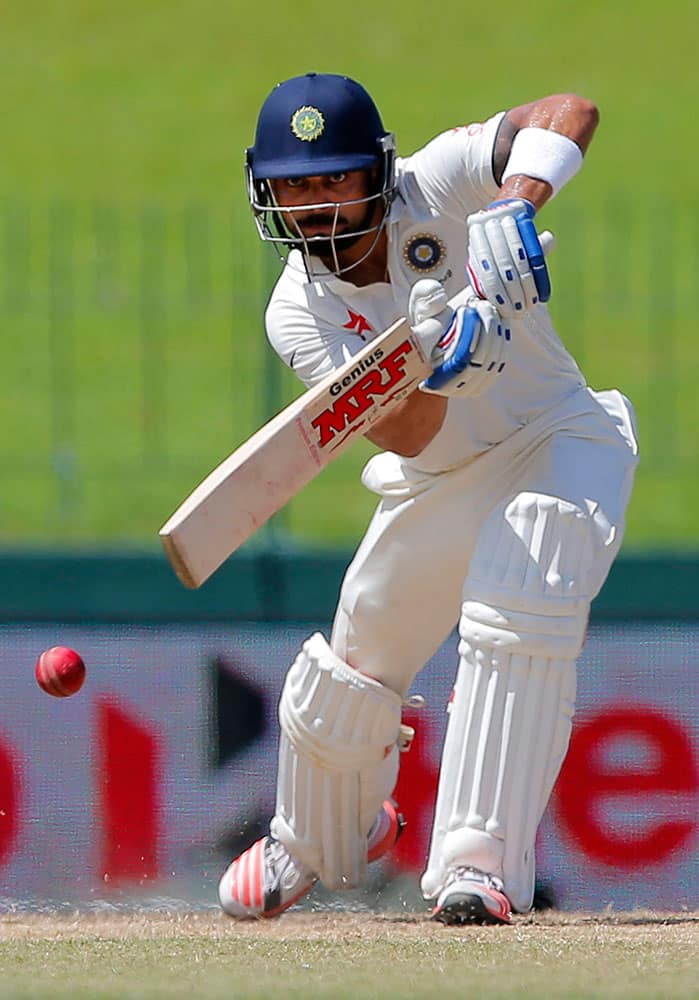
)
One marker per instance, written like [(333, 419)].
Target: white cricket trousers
[(402, 592)]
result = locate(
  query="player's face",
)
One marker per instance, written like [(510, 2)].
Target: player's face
[(310, 198)]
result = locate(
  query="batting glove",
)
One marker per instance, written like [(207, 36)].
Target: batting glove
[(506, 262), (466, 345)]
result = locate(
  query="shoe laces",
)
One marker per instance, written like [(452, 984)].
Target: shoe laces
[(474, 875), (281, 869)]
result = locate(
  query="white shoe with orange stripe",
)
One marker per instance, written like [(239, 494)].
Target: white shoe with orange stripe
[(472, 897), (265, 880)]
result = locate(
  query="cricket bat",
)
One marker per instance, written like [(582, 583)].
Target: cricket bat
[(268, 469), (264, 473)]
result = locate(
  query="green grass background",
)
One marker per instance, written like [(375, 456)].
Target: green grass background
[(132, 357), (348, 958)]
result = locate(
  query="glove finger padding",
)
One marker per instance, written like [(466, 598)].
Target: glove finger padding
[(472, 352), (428, 312), (506, 260)]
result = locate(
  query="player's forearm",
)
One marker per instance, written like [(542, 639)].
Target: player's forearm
[(537, 192), (411, 425)]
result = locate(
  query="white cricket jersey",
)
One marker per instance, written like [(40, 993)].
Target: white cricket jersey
[(317, 325)]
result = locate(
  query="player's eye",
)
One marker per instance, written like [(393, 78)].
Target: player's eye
[(294, 182), (337, 178)]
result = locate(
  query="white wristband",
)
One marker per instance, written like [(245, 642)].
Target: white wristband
[(545, 155)]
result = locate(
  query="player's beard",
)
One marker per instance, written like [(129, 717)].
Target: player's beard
[(322, 246), (326, 247)]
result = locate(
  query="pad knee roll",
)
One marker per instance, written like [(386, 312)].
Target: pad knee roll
[(539, 562), (338, 761)]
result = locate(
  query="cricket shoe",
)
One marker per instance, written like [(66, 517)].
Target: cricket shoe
[(266, 880), (472, 897)]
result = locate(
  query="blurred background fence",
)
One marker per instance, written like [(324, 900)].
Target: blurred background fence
[(134, 358)]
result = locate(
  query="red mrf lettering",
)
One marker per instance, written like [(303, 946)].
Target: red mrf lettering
[(661, 781), (364, 389)]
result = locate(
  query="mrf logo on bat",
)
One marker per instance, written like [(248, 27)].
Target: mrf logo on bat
[(376, 379)]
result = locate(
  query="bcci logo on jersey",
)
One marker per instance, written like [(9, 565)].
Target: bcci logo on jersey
[(423, 252)]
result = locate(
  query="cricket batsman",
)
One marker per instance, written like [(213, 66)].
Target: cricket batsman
[(503, 482)]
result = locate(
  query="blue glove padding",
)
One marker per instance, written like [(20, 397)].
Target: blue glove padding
[(470, 353), (462, 330), (532, 246)]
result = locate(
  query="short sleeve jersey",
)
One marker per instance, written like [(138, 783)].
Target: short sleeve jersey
[(316, 324)]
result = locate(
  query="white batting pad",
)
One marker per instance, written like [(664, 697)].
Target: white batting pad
[(338, 761), (526, 604)]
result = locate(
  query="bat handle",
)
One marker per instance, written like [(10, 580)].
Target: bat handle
[(548, 241)]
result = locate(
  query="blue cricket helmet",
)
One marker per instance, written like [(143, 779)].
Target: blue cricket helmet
[(318, 123)]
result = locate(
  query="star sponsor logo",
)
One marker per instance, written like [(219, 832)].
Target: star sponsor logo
[(423, 252), (307, 123), (358, 324)]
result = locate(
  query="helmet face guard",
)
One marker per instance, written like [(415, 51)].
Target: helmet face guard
[(276, 223), (319, 124)]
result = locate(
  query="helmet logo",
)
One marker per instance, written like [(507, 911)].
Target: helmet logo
[(423, 252), (307, 123)]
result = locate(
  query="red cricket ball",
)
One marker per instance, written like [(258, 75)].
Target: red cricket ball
[(60, 671)]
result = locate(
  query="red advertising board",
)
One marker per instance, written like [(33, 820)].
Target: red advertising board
[(163, 765)]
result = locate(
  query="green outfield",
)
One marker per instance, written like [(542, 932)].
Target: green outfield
[(131, 281), (358, 957)]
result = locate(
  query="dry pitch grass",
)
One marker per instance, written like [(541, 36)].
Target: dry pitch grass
[(347, 955)]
